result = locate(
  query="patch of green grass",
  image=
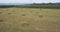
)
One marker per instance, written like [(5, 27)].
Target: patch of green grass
[(41, 16), (0, 12), (9, 13)]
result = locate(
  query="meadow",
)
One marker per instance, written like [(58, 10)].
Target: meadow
[(29, 20)]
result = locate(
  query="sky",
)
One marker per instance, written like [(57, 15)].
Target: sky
[(28, 1)]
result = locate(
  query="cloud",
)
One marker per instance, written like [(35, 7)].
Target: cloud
[(28, 1)]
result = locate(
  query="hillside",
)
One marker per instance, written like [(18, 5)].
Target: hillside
[(34, 5)]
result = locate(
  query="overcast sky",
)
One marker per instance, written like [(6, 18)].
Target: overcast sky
[(28, 1)]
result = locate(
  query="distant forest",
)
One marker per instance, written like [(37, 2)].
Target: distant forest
[(34, 5)]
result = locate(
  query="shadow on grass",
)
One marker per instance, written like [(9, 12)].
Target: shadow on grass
[(40, 16), (23, 15), (1, 20), (0, 12)]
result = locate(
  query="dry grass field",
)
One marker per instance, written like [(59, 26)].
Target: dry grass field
[(29, 20)]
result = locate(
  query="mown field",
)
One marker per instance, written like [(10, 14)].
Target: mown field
[(29, 20)]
